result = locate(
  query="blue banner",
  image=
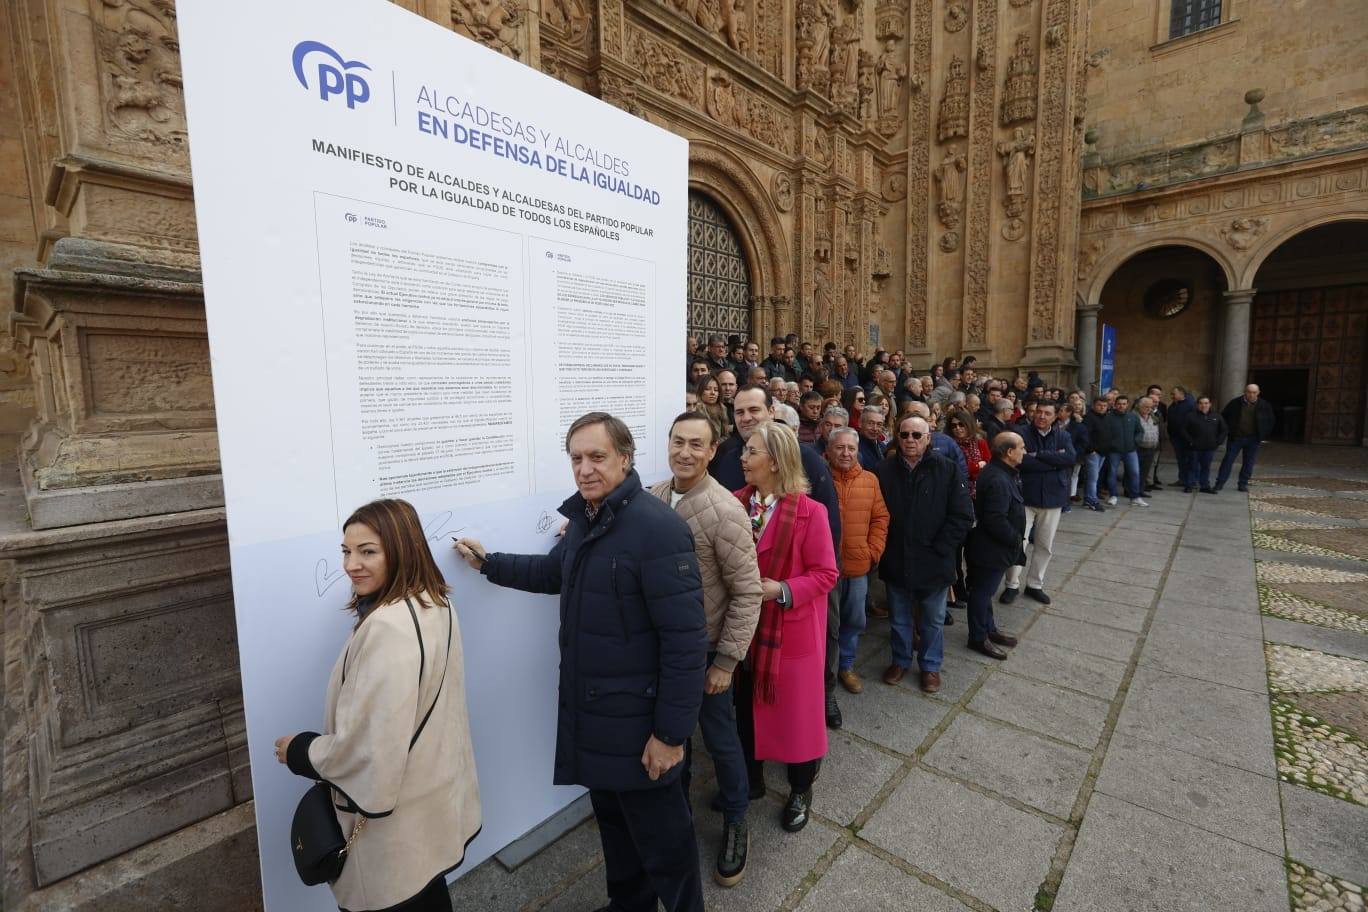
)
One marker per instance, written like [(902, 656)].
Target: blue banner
[(1108, 366)]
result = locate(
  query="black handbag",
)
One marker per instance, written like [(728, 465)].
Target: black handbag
[(316, 842)]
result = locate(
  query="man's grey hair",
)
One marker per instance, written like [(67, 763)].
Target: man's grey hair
[(836, 411), (714, 339), (792, 387), (618, 433), (887, 373), (831, 438), (956, 397), (1003, 405), (873, 410)]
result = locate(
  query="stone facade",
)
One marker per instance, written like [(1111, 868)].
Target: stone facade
[(1205, 155)]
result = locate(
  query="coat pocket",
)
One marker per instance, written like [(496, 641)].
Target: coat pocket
[(619, 697)]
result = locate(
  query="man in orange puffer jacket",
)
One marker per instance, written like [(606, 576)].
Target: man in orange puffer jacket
[(862, 543)]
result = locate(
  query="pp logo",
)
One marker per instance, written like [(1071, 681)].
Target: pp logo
[(334, 73)]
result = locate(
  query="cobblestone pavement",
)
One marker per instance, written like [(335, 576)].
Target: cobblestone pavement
[(1178, 730)]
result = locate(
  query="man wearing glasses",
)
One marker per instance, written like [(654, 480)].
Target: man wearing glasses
[(930, 514)]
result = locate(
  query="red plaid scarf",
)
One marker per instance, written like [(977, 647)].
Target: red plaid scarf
[(775, 564)]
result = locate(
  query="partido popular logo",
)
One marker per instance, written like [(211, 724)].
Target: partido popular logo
[(334, 75)]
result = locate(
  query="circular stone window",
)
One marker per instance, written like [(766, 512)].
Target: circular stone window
[(1167, 298)]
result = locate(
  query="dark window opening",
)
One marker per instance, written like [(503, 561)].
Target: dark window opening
[(1167, 298), (1188, 16)]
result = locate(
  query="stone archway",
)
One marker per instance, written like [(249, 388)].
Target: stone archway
[(729, 183)]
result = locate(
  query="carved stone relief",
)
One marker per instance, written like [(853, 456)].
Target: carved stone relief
[(954, 109), (956, 16), (892, 72), (1048, 280), (950, 241), (1088, 255), (569, 17), (816, 19), (739, 109), (949, 175), (919, 175), (722, 103), (494, 23), (666, 69), (845, 40), (618, 91), (140, 71), (866, 86), (889, 20), (978, 217), (1019, 91), (781, 188), (894, 186), (1016, 155), (882, 267), (1242, 232)]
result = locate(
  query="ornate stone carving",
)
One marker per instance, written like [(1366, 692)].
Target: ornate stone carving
[(493, 23), (1014, 229), (1019, 3), (618, 91), (956, 16), (890, 20), (883, 257), (1088, 255), (1048, 279), (140, 71), (610, 26), (1242, 232), (978, 217), (1016, 155), (950, 241), (919, 177), (569, 17), (816, 19), (665, 69), (954, 109), (1019, 91), (845, 41), (722, 103), (949, 175), (781, 188), (891, 73), (734, 25), (821, 251), (866, 86), (737, 108), (894, 186)]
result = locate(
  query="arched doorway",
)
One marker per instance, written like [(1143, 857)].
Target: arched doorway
[(1165, 305), (719, 276), (1309, 334)]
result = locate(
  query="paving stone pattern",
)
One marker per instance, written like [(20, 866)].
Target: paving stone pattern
[(1123, 758)]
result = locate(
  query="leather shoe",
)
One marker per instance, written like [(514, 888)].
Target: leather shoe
[(988, 649), (1002, 639), (833, 711), (1244, 488), (893, 674), (1008, 596), (850, 680), (796, 811), (1038, 594), (949, 619), (930, 681)]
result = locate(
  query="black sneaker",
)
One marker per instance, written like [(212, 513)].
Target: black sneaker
[(731, 858), (833, 711), (1008, 596), (796, 811)]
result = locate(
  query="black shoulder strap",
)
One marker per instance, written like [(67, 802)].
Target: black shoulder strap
[(451, 623)]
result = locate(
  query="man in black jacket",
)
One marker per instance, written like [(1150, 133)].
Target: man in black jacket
[(930, 513), (1204, 431), (1249, 421), (634, 646), (996, 542), (754, 405), (1181, 404)]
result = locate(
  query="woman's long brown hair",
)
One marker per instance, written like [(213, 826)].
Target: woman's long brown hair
[(408, 560)]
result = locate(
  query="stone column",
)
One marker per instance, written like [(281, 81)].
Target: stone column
[(1085, 347), (1235, 343)]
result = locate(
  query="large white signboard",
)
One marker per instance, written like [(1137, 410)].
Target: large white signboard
[(421, 260)]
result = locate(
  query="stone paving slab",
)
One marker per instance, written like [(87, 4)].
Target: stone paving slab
[(1113, 571), (979, 845), (860, 882), (1237, 804), (1326, 833), (1218, 657), (1216, 594), (1131, 859), (852, 774), (491, 887), (1027, 767), (1060, 713), (1106, 642), (1124, 593), (1156, 562), (1220, 723), (1096, 611), (1323, 639), (1075, 670), (895, 717), (777, 864), (1243, 622)]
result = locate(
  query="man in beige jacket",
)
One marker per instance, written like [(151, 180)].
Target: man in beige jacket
[(731, 600)]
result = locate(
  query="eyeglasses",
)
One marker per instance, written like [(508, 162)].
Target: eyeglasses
[(955, 424), (859, 399), (911, 435)]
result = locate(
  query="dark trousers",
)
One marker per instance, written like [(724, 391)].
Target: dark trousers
[(435, 897), (1248, 450), (833, 638), (800, 775), (1148, 457), (961, 593), (1182, 456), (983, 585), (649, 850), (717, 721), (1201, 467)]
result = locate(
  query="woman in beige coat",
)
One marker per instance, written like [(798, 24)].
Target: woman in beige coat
[(412, 805)]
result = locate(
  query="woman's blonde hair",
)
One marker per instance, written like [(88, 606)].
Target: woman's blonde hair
[(782, 444)]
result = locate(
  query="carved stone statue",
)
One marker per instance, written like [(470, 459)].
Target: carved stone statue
[(1016, 154), (816, 19), (949, 176), (821, 292), (493, 23), (954, 110), (1019, 92), (734, 24), (892, 71), (845, 65), (866, 86), (570, 16)]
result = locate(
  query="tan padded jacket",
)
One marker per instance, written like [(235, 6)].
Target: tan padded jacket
[(726, 555)]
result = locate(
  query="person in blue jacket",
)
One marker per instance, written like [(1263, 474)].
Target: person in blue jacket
[(1045, 471)]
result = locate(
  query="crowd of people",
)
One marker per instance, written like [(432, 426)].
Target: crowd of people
[(807, 491)]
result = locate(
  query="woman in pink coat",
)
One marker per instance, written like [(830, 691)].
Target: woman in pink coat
[(779, 689)]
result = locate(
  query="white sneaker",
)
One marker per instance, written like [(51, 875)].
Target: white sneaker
[(1138, 502), (1111, 501)]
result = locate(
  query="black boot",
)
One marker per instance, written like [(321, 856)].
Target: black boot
[(797, 811), (731, 858), (833, 711)]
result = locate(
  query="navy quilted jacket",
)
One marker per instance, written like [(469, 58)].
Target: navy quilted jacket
[(633, 635)]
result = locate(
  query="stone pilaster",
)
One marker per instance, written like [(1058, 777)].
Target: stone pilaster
[(1085, 346), (1235, 315)]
